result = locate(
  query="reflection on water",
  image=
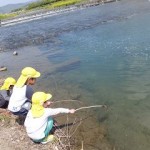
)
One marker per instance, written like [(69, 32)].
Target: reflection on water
[(99, 57)]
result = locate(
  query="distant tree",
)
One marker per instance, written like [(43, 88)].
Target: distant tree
[(40, 4), (18, 9)]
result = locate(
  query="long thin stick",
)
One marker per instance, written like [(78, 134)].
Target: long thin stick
[(67, 101), (91, 107), (75, 129), (82, 146)]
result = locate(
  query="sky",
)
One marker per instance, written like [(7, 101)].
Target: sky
[(5, 2)]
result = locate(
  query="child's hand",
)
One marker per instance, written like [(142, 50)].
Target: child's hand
[(72, 111)]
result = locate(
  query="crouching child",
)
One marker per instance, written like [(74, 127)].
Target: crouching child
[(39, 122), (6, 91), (20, 100)]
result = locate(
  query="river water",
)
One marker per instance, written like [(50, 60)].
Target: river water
[(98, 55)]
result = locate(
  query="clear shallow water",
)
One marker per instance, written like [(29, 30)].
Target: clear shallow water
[(111, 48)]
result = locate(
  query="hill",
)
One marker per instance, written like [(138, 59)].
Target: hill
[(10, 7)]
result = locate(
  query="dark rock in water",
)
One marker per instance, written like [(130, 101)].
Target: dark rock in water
[(15, 53), (56, 53), (65, 66), (2, 68), (76, 97)]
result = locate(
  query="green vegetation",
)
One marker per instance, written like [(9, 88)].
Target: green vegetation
[(63, 3), (17, 10), (7, 119), (7, 16), (4, 118), (51, 4), (42, 4)]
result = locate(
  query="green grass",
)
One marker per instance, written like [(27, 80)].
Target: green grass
[(4, 118), (7, 119), (7, 16), (42, 4), (49, 4), (63, 3)]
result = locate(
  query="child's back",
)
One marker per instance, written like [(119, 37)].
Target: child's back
[(6, 91)]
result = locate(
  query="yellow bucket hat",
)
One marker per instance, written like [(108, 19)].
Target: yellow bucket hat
[(26, 73), (8, 81), (38, 99)]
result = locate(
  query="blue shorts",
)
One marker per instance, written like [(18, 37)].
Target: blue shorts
[(49, 126), (21, 112)]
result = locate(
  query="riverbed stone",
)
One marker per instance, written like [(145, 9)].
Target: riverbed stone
[(3, 68)]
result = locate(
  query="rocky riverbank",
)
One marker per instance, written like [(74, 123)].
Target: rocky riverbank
[(14, 137)]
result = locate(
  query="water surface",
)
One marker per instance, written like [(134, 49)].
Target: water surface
[(99, 55)]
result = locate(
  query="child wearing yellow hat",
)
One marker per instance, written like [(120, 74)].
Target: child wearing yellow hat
[(6, 91), (38, 121), (20, 100)]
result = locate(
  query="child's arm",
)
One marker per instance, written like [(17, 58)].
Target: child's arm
[(52, 112), (29, 92)]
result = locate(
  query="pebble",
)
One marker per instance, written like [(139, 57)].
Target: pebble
[(15, 53), (2, 68)]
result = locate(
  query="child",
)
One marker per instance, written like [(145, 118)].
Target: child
[(20, 100), (38, 122), (6, 91)]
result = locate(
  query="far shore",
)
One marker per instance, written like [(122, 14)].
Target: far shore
[(43, 13)]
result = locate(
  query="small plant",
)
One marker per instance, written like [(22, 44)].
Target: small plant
[(7, 16), (63, 3)]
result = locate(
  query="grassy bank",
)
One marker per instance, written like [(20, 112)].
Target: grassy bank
[(51, 4), (42, 4), (48, 5), (6, 16)]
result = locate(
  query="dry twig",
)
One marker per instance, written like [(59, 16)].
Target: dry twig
[(87, 107), (66, 101)]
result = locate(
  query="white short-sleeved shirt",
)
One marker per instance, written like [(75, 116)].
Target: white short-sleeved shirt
[(17, 98)]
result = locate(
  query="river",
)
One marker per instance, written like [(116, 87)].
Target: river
[(98, 55)]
